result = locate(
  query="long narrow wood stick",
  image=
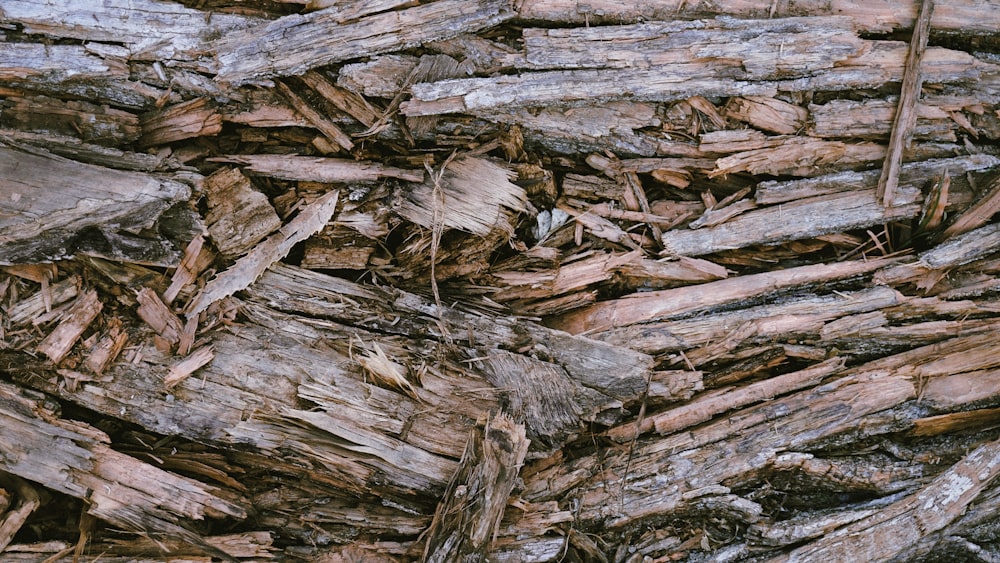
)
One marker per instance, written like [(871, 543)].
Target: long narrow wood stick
[(906, 111)]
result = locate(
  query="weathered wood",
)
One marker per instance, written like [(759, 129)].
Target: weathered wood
[(194, 118), (906, 115), (247, 269), (45, 215), (955, 252), (13, 519), (915, 174), (877, 537), (972, 16), (743, 406), (238, 216), (642, 307), (466, 521), (76, 320), (75, 459), (305, 42), (317, 169), (814, 216), (150, 29), (93, 123), (468, 194), (724, 70)]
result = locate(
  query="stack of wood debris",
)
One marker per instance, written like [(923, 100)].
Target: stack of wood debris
[(335, 280)]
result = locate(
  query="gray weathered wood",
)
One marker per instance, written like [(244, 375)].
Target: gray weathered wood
[(297, 43)]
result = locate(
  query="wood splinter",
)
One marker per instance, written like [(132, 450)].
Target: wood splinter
[(906, 112)]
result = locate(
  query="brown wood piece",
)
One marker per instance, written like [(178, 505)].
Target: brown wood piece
[(909, 96)]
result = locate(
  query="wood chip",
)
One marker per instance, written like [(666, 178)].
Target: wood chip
[(60, 341)]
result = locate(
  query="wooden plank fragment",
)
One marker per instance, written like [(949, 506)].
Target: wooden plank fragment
[(912, 173), (58, 69), (75, 459), (572, 87), (798, 156), (345, 100), (895, 528), (702, 409), (690, 464), (197, 257), (238, 215), (954, 252), (319, 169), (150, 30), (12, 520), (246, 270), (972, 16), (297, 43), (747, 49), (41, 210), (92, 123), (769, 114), (184, 368), (158, 316), (872, 119), (875, 63), (468, 517), (978, 213), (76, 320), (811, 217), (641, 307), (193, 118), (104, 353), (906, 112), (33, 306)]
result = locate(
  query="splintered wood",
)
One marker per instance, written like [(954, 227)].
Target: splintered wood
[(491, 280)]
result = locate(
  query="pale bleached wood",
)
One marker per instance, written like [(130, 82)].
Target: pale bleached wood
[(812, 217), (320, 169), (297, 43), (971, 16), (872, 63), (470, 195), (574, 87), (754, 49), (33, 306), (643, 307), (150, 29)]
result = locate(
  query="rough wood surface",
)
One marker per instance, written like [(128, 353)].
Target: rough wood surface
[(537, 281)]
